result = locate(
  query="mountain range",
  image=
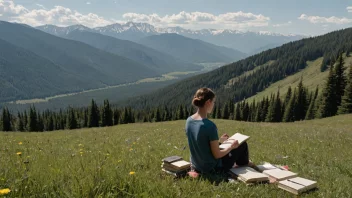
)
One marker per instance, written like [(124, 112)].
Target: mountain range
[(36, 64), (76, 59), (247, 42), (153, 59)]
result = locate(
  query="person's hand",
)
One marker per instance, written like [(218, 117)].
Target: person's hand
[(223, 138), (235, 144)]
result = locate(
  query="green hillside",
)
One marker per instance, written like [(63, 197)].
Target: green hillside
[(312, 77), (66, 65), (247, 77), (97, 162)]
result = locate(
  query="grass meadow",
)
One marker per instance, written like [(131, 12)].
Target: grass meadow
[(124, 160)]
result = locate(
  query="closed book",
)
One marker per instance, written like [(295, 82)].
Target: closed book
[(297, 185), (172, 159)]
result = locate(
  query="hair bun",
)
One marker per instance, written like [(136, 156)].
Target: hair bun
[(196, 102)]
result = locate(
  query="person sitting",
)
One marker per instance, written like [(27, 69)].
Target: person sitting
[(203, 139)]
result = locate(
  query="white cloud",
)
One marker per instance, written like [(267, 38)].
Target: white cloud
[(9, 8), (283, 24), (58, 15), (319, 19), (41, 6), (233, 19), (349, 8), (63, 16)]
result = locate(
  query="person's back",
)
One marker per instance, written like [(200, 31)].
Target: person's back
[(200, 133), (203, 139)]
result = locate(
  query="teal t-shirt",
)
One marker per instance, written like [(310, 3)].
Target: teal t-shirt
[(200, 133)]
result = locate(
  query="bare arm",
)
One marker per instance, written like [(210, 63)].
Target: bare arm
[(217, 153)]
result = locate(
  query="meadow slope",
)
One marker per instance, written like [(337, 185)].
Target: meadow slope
[(124, 161)]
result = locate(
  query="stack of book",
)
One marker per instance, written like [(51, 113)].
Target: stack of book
[(175, 166), (287, 180)]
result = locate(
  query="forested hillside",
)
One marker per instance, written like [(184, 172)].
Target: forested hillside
[(285, 61)]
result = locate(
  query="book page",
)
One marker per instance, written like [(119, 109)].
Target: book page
[(248, 173), (279, 174), (238, 136), (181, 163)]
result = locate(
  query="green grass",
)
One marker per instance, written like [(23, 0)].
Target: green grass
[(318, 150), (312, 77)]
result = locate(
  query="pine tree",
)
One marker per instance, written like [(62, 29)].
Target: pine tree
[(328, 103), (116, 116), (93, 115), (340, 79), (237, 112), (289, 115), (180, 113), (225, 111), (71, 122), (259, 111), (301, 102), (264, 108), (274, 109), (20, 126), (40, 123), (245, 111), (218, 112), (312, 106), (166, 115), (6, 120), (25, 121), (106, 118), (124, 117), (288, 95), (346, 102), (51, 125), (32, 121), (85, 117), (157, 117)]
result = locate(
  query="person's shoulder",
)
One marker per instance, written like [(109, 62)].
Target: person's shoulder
[(209, 122)]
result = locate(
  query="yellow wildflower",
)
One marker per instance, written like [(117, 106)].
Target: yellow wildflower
[(81, 152), (119, 161), (19, 153), (80, 145), (108, 154), (131, 149), (20, 143), (4, 191), (134, 142), (132, 173)]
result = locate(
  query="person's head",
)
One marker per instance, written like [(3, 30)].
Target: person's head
[(204, 99)]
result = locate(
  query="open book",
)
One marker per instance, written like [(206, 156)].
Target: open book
[(238, 136), (248, 175), (297, 185), (277, 174)]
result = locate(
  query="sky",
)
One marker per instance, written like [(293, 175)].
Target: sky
[(305, 17)]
